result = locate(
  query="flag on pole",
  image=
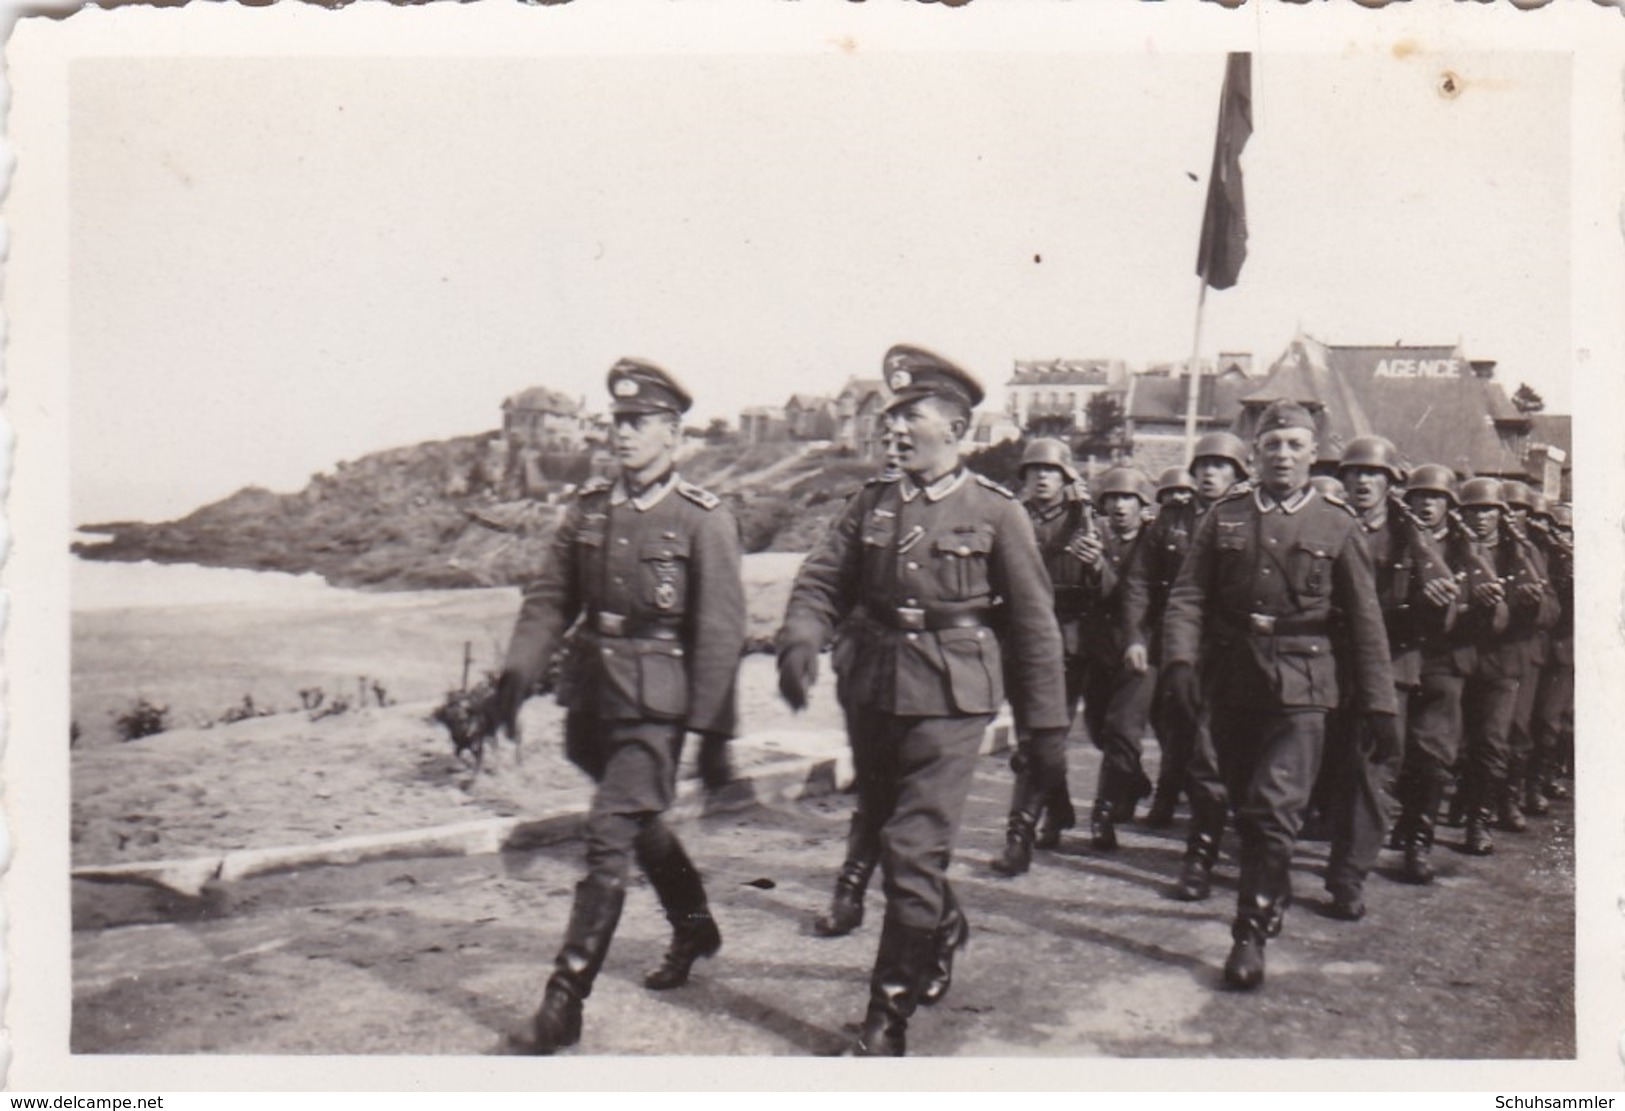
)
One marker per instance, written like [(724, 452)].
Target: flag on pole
[(1224, 223)]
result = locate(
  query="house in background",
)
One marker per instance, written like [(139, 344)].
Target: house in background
[(1050, 397), (857, 416), (810, 417), (1155, 405)]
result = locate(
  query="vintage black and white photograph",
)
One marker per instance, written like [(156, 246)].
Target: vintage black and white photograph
[(881, 539)]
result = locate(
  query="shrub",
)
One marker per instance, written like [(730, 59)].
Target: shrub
[(142, 720)]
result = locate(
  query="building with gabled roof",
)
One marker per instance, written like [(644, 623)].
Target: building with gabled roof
[(1155, 404), (1051, 396)]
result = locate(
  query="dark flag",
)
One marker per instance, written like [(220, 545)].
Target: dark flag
[(1224, 223)]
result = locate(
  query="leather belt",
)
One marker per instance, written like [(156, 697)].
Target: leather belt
[(1267, 624), (620, 625), (911, 619)]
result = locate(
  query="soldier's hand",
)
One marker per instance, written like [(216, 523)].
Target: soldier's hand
[(502, 711), (1489, 594), (1136, 659), (1180, 689), (1087, 548), (1383, 730), (798, 670), (716, 770), (1440, 591), (1529, 594)]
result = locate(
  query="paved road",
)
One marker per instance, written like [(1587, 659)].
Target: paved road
[(1085, 956)]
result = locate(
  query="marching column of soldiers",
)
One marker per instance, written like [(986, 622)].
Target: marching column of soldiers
[(1345, 650)]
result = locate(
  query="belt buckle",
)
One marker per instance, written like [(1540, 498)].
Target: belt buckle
[(1263, 624), (612, 624), (909, 617)]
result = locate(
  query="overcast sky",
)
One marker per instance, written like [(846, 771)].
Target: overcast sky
[(280, 264)]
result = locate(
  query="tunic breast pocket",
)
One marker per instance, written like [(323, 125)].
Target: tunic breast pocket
[(663, 575), (961, 560), (1311, 569)]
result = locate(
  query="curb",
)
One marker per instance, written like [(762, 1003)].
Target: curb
[(787, 779)]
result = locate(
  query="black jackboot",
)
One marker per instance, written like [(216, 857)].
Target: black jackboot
[(1534, 779), (1479, 842), (1102, 830), (1195, 881), (901, 967), (862, 853), (694, 931), (1025, 801), (593, 917), (951, 936), (1058, 816), (1420, 829), (1244, 968), (1510, 813)]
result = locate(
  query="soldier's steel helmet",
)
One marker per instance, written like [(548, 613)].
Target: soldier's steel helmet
[(1539, 506), (1375, 452), (1126, 480), (1328, 485), (1482, 491), (1175, 478), (1048, 452), (1516, 494), (1562, 516), (1222, 445), (1432, 478)]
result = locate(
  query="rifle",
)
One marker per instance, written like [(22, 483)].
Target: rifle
[(1528, 582), (1479, 576), (1420, 552)]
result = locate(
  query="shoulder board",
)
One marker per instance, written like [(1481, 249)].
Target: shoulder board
[(983, 480), (882, 479), (1333, 499), (700, 496), (598, 484)]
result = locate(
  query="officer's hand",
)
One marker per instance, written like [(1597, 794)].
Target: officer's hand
[(716, 770), (1136, 659), (1180, 689), (1087, 548), (1440, 591), (1383, 729), (1489, 594), (502, 711), (798, 670)]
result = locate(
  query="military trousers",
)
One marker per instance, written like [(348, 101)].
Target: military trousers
[(1433, 728), (1269, 759), (1554, 707), (914, 775), (1205, 783), (1488, 701), (634, 767), (1116, 702), (1359, 801), (1520, 732)]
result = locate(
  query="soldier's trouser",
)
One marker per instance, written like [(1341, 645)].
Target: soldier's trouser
[(863, 834), (1358, 801), (1204, 784), (1115, 704), (1174, 744), (1041, 782), (636, 774), (914, 776), (1433, 729), (1552, 705), (1520, 736), (1269, 760), (1487, 704)]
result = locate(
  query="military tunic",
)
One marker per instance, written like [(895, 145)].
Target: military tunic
[(1116, 698), (1253, 607), (934, 570), (649, 585)]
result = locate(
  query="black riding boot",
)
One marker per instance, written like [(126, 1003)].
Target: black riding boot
[(1244, 968), (694, 931), (1479, 820), (901, 967), (1419, 842), (1018, 840), (593, 917), (951, 936), (1102, 830), (846, 908), (1201, 851), (1534, 780), (1058, 815)]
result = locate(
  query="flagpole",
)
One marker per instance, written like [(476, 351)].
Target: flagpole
[(1193, 390)]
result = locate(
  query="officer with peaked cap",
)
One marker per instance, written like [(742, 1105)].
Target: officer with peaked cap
[(927, 556), (1249, 625), (645, 572), (1059, 506)]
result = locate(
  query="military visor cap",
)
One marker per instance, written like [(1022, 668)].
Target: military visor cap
[(1285, 414), (1482, 492), (913, 372), (1432, 478), (636, 386)]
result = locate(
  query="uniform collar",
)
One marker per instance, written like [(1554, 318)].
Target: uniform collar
[(1292, 503), (1048, 512), (647, 498), (938, 490), (1375, 519)]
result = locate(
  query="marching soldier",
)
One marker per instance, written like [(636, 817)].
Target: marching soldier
[(1117, 696), (1448, 656), (1061, 513), (1555, 682), (1414, 589), (929, 557), (1490, 693), (1218, 466), (1533, 636), (1146, 583), (645, 570), (1252, 609)]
